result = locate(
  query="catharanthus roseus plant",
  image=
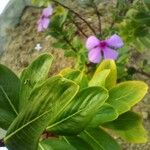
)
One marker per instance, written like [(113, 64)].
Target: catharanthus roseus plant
[(68, 111), (71, 25)]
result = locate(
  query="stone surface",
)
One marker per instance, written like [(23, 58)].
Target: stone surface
[(10, 18)]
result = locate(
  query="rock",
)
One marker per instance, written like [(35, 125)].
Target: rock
[(10, 18)]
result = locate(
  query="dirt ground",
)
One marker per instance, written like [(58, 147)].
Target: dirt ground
[(21, 51)]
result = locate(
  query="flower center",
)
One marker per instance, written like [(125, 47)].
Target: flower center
[(103, 44)]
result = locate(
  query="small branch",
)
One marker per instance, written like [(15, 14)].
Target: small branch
[(98, 16), (79, 28), (78, 15), (140, 71), (2, 143), (69, 43)]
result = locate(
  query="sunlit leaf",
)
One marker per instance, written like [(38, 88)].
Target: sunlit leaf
[(36, 72), (126, 94)]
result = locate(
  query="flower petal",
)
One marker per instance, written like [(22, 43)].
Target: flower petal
[(110, 53), (94, 55), (40, 26), (92, 42), (115, 41), (47, 11), (45, 22)]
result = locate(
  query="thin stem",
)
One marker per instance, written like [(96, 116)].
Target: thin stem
[(140, 71), (78, 15), (98, 16), (79, 28), (69, 43)]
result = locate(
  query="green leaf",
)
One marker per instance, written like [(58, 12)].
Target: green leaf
[(99, 78), (55, 144), (126, 94), (105, 114), (47, 101), (98, 139), (75, 75), (112, 77), (35, 73), (77, 142), (129, 127), (79, 112), (9, 96)]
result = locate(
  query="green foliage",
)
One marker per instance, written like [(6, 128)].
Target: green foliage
[(9, 96), (105, 114), (135, 28), (129, 127), (55, 144), (98, 139), (111, 78), (126, 94), (74, 112), (35, 73)]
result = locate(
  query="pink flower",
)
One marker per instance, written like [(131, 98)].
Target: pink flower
[(44, 20), (105, 48)]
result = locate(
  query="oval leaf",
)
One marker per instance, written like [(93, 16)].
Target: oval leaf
[(125, 95), (99, 78), (112, 77), (36, 72)]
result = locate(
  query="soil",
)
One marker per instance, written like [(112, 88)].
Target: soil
[(21, 51), (24, 38)]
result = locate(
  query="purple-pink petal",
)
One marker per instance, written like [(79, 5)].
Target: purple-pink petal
[(45, 22), (47, 11), (110, 53), (40, 26), (94, 55), (92, 42), (115, 41)]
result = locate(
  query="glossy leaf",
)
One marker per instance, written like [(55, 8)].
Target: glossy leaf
[(112, 77), (99, 139), (45, 103), (79, 112), (75, 75), (126, 94), (129, 127), (36, 72), (105, 114), (99, 78), (9, 96), (55, 144)]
